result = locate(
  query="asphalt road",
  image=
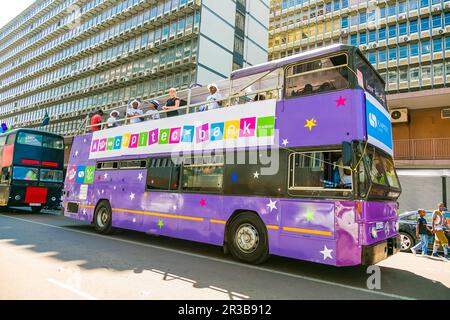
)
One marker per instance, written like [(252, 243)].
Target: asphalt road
[(46, 256)]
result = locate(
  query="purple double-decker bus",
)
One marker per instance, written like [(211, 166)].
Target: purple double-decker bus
[(294, 159)]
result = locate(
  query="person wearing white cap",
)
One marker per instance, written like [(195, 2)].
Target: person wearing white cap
[(213, 98), (134, 111), (113, 118)]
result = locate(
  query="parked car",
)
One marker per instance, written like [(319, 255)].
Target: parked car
[(407, 230)]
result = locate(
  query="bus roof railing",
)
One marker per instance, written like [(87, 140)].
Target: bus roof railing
[(187, 108)]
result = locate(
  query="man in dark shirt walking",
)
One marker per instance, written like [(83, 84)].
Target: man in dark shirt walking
[(421, 233)]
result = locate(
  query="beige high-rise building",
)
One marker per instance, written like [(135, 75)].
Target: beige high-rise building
[(408, 42)]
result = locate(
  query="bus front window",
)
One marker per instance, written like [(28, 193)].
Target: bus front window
[(320, 76), (381, 172), (53, 142)]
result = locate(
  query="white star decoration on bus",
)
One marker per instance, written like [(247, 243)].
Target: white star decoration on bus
[(256, 175), (132, 196), (76, 153), (272, 205), (140, 176), (285, 142), (84, 212), (105, 176), (326, 253)]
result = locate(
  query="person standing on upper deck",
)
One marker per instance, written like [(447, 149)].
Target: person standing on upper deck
[(96, 119), (153, 112), (112, 121), (134, 111), (213, 98), (173, 104)]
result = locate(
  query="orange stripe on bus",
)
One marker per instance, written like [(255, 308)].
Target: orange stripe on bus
[(272, 227), (155, 214), (308, 231), (218, 221)]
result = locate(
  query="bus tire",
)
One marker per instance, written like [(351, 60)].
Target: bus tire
[(248, 240), (103, 218)]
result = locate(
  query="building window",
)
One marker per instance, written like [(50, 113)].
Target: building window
[(372, 36), (426, 72), (403, 74), (392, 77), (382, 56), (413, 26), (424, 3), (412, 4), (403, 52), (414, 49), (401, 7), (414, 73), (437, 45), (447, 43), (426, 47), (392, 10), (437, 21), (393, 53), (392, 31), (438, 70), (382, 34), (447, 19), (372, 57), (362, 38), (362, 17), (344, 22), (424, 24), (354, 39), (402, 30)]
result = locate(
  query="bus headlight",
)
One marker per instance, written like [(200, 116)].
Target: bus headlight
[(53, 198), (374, 232), (17, 197)]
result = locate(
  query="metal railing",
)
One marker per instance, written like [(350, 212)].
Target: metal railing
[(225, 102), (422, 149)]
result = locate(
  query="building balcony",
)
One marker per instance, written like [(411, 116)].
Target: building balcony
[(422, 149)]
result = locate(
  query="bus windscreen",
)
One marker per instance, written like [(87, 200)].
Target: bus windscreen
[(370, 80), (37, 140)]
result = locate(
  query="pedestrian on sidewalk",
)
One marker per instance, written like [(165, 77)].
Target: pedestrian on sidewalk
[(422, 234), (439, 222)]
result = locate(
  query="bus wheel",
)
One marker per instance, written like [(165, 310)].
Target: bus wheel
[(36, 209), (248, 239), (103, 218)]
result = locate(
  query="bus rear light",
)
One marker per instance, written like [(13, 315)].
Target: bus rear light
[(49, 164), (29, 161)]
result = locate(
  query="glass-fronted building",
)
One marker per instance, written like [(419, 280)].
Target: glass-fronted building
[(69, 57), (408, 42)]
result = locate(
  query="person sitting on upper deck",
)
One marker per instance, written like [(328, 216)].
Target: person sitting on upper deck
[(153, 112), (113, 118), (326, 86), (134, 111), (213, 98), (259, 97), (173, 104)]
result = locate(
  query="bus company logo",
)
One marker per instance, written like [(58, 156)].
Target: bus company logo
[(227, 130), (81, 174), (373, 120), (71, 173)]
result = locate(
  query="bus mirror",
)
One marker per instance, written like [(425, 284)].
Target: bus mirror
[(346, 154)]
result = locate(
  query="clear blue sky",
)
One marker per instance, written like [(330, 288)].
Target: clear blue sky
[(9, 9)]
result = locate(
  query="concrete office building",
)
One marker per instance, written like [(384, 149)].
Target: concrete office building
[(408, 42), (69, 57)]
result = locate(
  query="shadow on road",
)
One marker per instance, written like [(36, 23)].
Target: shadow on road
[(235, 280)]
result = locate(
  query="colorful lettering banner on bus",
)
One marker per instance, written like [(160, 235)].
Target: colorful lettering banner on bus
[(249, 125), (379, 126)]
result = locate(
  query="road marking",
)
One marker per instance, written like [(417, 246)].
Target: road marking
[(73, 290), (219, 260)]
